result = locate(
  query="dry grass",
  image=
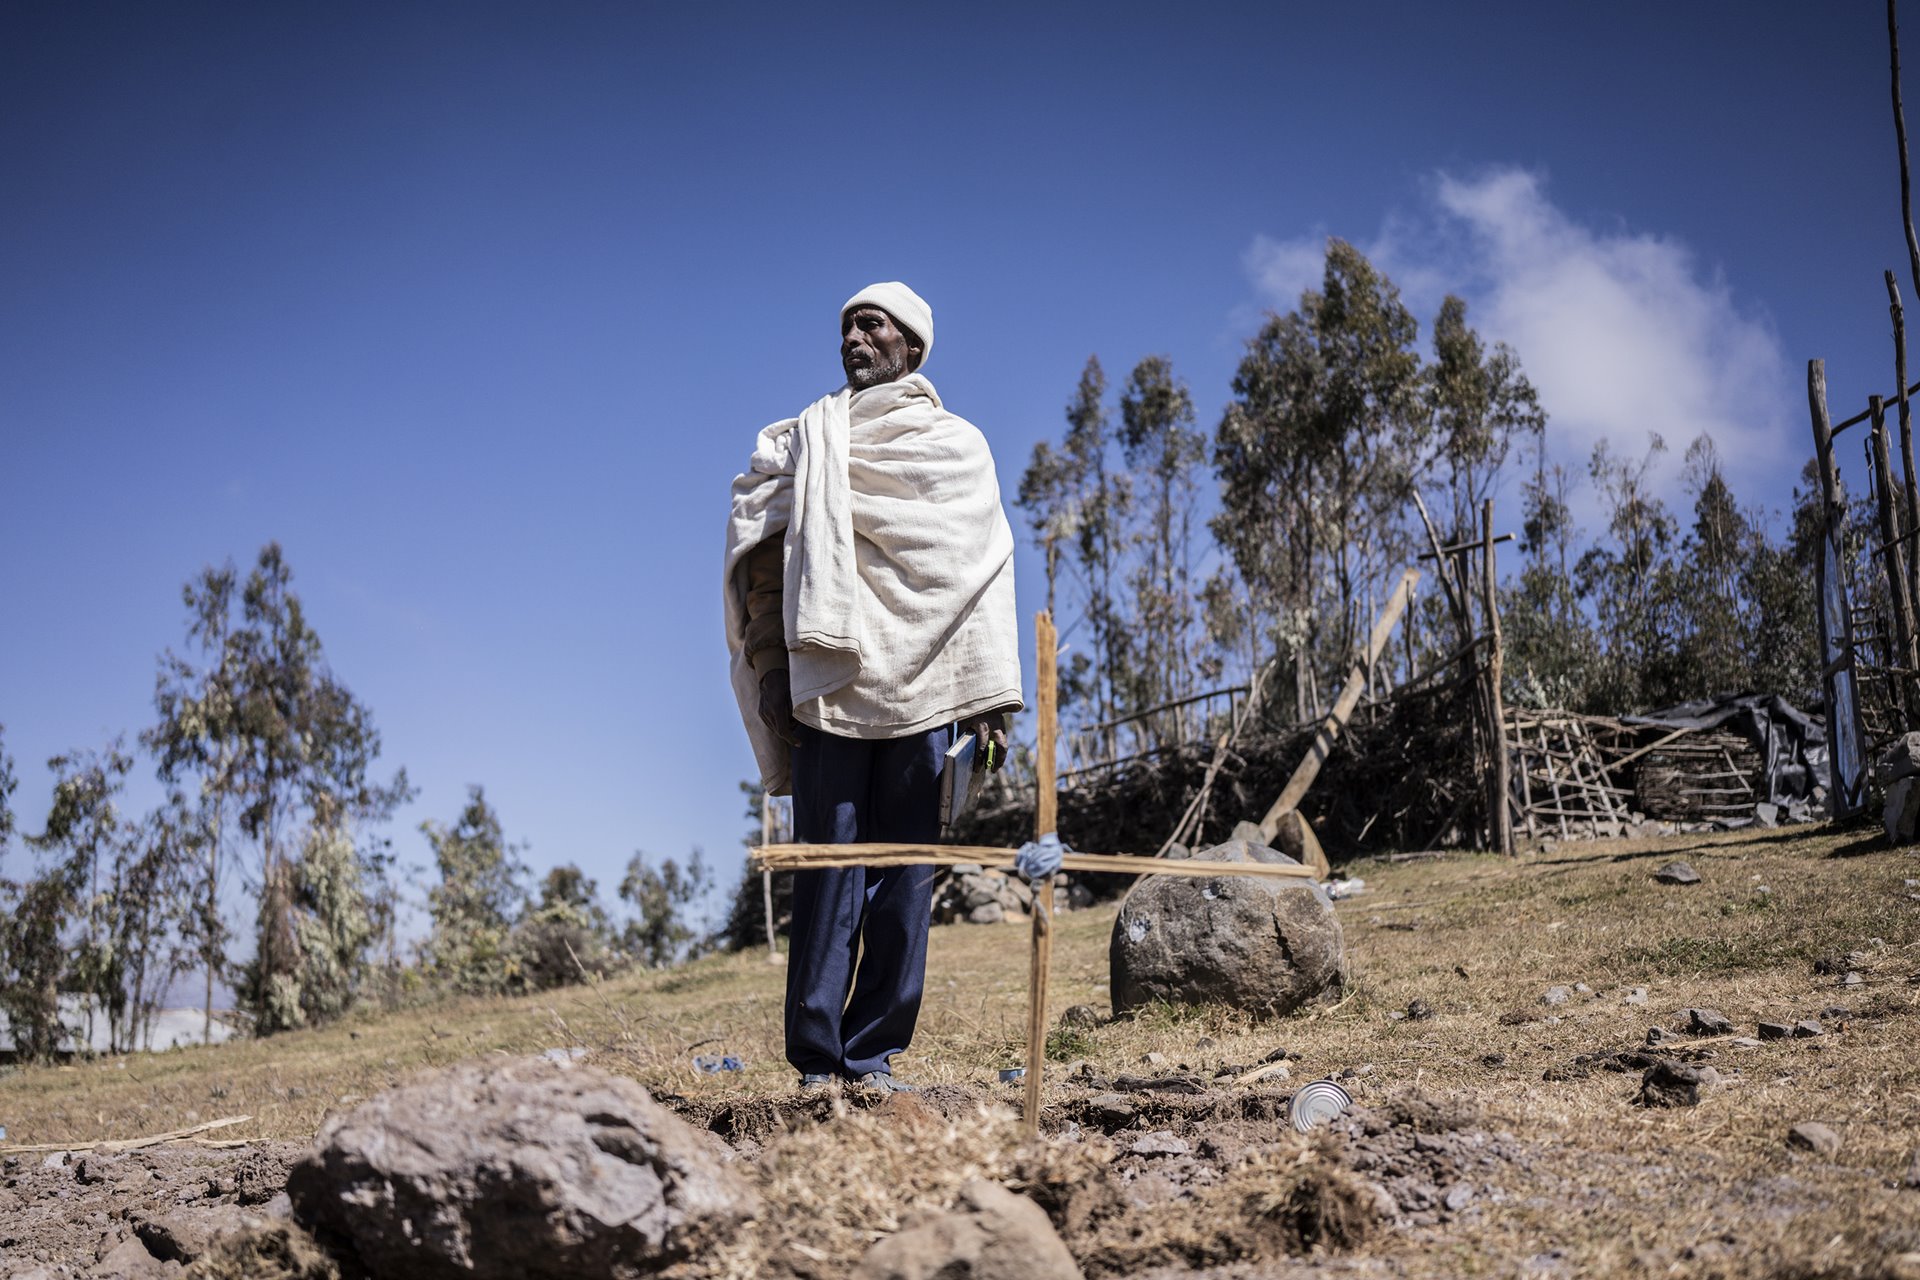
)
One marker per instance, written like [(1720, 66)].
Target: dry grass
[(1605, 1189)]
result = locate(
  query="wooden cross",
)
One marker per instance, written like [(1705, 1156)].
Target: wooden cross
[(799, 857)]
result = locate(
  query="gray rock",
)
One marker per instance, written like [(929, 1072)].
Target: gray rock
[(1811, 1135), (1851, 979), (992, 1234), (1900, 760), (1084, 1016), (987, 913), (1901, 813), (1458, 1197), (1912, 1179), (1677, 873), (1265, 945), (1112, 1109), (129, 1260), (1774, 1031), (183, 1234), (1636, 996), (1161, 1142), (1706, 1022), (1807, 1028), (1556, 996), (1673, 1084), (1766, 814), (515, 1167)]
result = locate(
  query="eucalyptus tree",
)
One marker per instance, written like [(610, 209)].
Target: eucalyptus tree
[(1483, 407), (87, 840), (304, 747), (1317, 455), (1164, 453), (195, 743), (1078, 498), (474, 904)]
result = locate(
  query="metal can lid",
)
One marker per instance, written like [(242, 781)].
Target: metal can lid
[(1317, 1104)]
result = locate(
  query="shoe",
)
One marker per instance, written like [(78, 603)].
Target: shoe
[(884, 1081), (814, 1081)]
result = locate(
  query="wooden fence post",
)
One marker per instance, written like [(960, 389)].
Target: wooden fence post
[(1045, 818), (1846, 745), (1499, 812)]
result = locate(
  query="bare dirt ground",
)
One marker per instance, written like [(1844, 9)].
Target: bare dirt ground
[(1496, 1130)]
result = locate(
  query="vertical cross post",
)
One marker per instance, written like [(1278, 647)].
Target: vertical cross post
[(1499, 780), (1045, 816)]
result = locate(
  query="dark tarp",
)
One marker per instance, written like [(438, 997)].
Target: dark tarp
[(1791, 743)]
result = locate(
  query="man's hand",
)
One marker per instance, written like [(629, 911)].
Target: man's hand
[(776, 705), (991, 730)]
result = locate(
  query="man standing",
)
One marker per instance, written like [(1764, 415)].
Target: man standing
[(870, 617)]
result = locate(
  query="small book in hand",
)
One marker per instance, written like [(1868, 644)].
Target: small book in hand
[(956, 780)]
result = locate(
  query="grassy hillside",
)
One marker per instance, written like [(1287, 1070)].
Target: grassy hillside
[(1577, 1179)]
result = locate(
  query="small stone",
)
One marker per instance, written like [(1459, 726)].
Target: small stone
[(1657, 1036), (1161, 1142), (1766, 814), (1811, 1135), (1153, 1059), (1458, 1197), (1673, 1084), (1582, 989), (1774, 1031), (1551, 1020), (987, 913), (1912, 1179), (1418, 1010), (1677, 873), (992, 1234), (1083, 1016), (1706, 1022), (1112, 1110), (1851, 979), (1556, 996), (1807, 1028), (1636, 996)]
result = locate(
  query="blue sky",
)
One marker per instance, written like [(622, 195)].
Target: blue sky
[(477, 308)]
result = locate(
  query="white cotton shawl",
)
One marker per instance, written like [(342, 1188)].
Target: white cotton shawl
[(897, 586)]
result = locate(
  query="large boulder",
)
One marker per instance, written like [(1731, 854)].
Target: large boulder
[(517, 1167), (992, 1234), (1260, 943)]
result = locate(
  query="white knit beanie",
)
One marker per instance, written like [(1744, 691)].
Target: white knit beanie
[(908, 309)]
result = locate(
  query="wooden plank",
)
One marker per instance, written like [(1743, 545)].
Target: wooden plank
[(795, 857), (1323, 737)]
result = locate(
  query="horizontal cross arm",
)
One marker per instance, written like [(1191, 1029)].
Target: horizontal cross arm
[(801, 857)]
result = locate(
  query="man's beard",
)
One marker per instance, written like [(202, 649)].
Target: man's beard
[(861, 377)]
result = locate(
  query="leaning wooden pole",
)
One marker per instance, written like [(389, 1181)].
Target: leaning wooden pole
[(1900, 136), (1323, 737), (1910, 517), (1846, 746), (1045, 817), (1892, 552), (1500, 782)]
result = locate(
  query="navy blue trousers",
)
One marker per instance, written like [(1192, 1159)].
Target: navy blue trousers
[(858, 958)]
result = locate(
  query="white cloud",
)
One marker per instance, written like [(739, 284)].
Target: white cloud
[(1283, 269), (1623, 332)]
